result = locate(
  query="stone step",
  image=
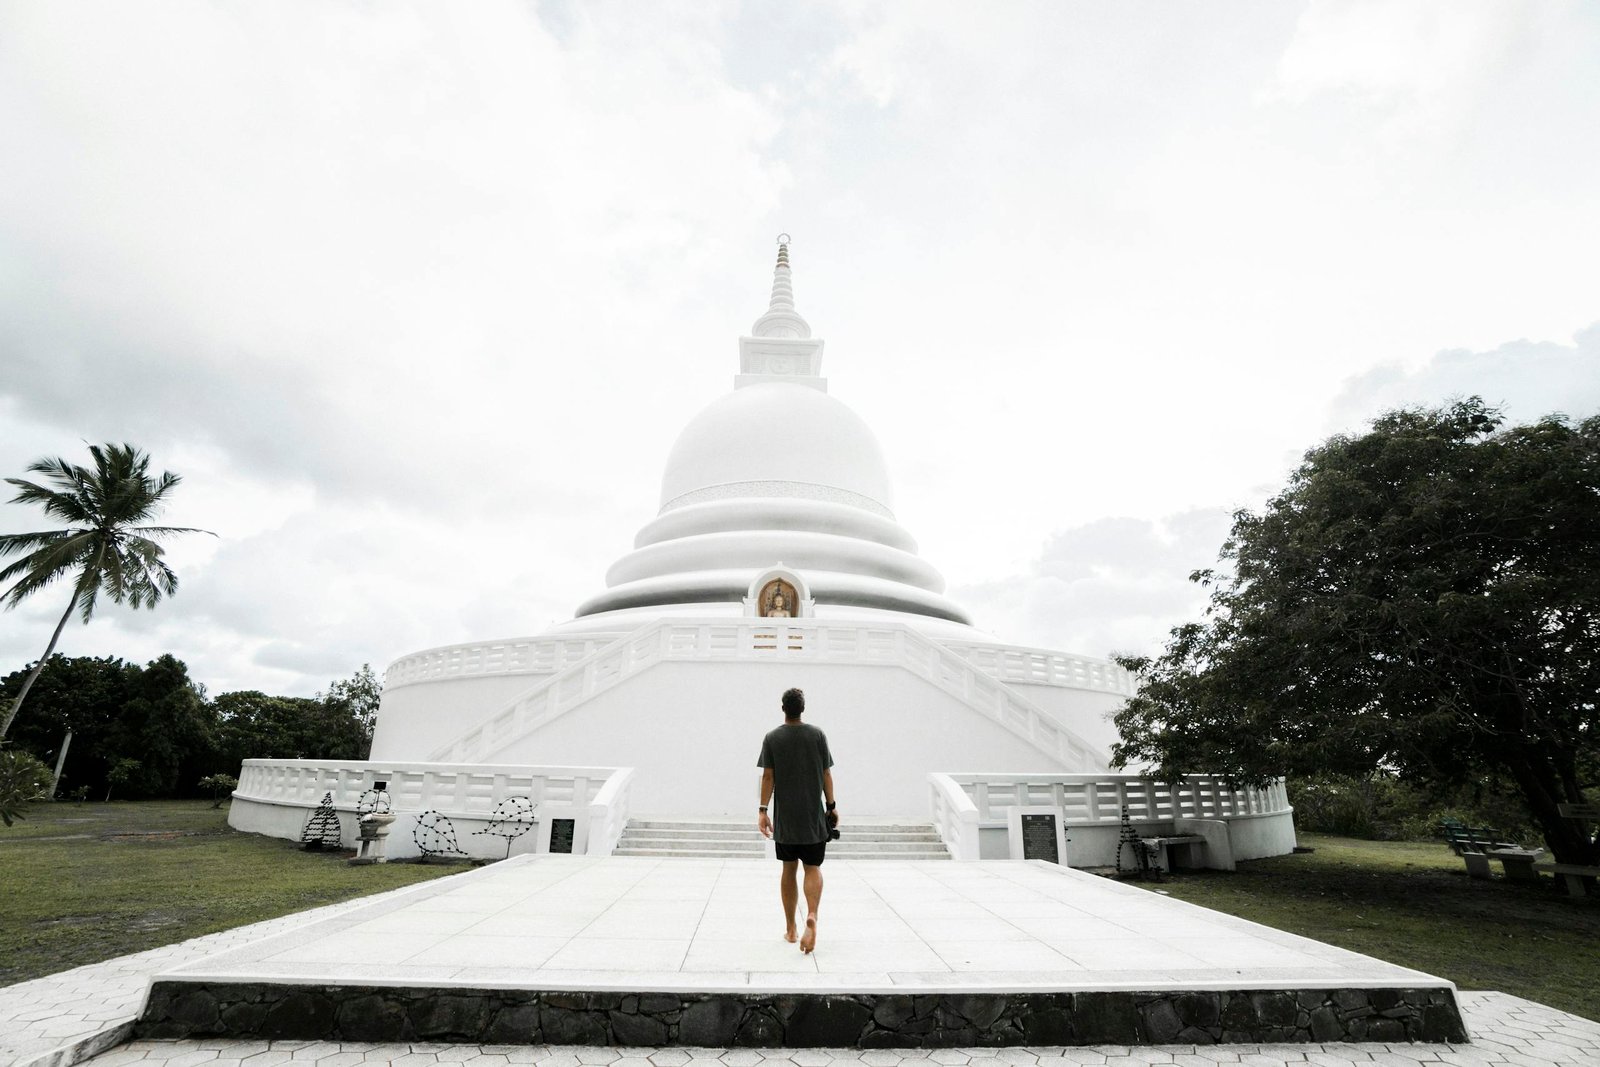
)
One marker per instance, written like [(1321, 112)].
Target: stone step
[(725, 838), (724, 854), (655, 833), (703, 853), (909, 849), (730, 825)]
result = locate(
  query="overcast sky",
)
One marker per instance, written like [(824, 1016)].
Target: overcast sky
[(416, 298)]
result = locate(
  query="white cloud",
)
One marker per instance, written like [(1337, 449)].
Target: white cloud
[(416, 296), (1527, 380), (1111, 585)]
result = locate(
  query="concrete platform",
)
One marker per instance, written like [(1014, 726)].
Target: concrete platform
[(646, 951)]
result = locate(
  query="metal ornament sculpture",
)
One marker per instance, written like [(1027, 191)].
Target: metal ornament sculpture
[(1143, 851), (374, 801), (435, 835), (512, 817), (322, 829)]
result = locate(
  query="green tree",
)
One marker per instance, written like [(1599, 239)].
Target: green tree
[(336, 725), (352, 705), (83, 693), (107, 547), (1422, 599), (257, 726), (168, 726)]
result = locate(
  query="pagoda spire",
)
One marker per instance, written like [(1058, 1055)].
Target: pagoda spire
[(781, 319)]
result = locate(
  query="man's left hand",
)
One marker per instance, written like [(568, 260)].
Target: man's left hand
[(764, 824)]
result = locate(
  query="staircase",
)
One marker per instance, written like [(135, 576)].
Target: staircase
[(724, 839), (752, 640)]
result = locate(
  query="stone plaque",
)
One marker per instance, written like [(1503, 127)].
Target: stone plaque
[(1037, 833), (561, 831), (1039, 837)]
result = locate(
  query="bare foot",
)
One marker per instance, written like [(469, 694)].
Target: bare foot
[(790, 936), (809, 942)]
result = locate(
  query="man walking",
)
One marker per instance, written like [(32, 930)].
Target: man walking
[(795, 775)]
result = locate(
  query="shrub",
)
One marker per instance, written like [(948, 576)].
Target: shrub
[(23, 780), (1383, 808), (219, 786)]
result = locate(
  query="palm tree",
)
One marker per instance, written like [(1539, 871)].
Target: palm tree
[(104, 549)]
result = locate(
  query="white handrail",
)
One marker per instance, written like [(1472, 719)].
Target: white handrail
[(546, 655), (1039, 666), (955, 816), (608, 813), (890, 644), (451, 788), (520, 655), (1088, 799)]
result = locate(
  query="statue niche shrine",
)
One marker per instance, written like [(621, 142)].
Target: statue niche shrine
[(771, 563)]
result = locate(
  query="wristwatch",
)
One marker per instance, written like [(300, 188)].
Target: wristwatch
[(762, 808)]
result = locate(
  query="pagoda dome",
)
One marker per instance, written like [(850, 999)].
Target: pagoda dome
[(776, 475), (777, 439)]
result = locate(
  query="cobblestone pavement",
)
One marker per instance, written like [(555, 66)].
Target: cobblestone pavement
[(1506, 1030)]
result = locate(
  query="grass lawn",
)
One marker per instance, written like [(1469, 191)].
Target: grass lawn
[(81, 883), (86, 882), (1412, 903)]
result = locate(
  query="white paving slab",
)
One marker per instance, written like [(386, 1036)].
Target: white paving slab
[(715, 925), (68, 1017)]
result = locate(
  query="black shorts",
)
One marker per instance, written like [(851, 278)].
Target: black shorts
[(810, 855)]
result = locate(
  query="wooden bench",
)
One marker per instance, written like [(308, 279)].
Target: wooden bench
[(1518, 863), (1188, 847), (1574, 874), (1462, 838), (1477, 845)]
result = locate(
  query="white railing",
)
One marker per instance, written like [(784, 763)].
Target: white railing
[(1037, 666), (546, 655), (1089, 799), (608, 813), (525, 655), (455, 789), (955, 817), (889, 644)]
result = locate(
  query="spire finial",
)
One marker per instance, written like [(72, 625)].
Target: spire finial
[(781, 319)]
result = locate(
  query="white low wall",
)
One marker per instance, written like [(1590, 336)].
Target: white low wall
[(276, 797), (970, 812)]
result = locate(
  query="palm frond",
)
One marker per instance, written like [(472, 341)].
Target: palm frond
[(113, 554), (42, 567), (24, 542), (158, 532), (67, 506)]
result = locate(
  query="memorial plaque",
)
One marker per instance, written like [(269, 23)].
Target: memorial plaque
[(561, 831), (1039, 837)]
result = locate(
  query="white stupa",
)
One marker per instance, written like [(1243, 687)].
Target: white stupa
[(775, 561)]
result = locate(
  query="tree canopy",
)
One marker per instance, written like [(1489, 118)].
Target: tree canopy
[(152, 731), (107, 546), (1420, 599)]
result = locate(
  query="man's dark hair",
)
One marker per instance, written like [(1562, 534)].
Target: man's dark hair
[(794, 702)]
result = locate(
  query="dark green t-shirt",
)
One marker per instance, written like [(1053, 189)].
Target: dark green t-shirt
[(798, 755)]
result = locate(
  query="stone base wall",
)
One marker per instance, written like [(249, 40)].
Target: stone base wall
[(797, 1020)]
